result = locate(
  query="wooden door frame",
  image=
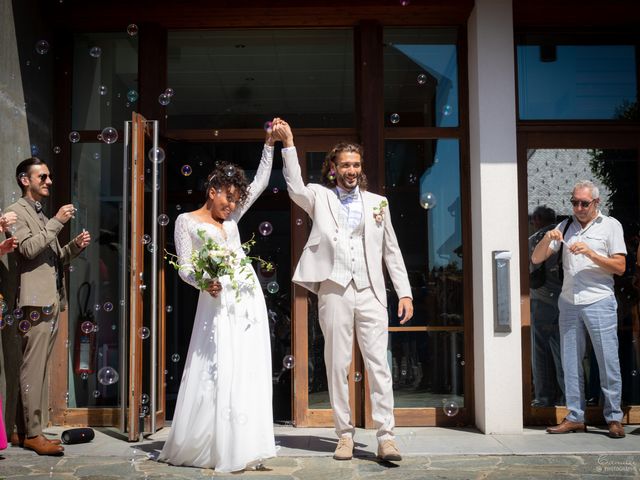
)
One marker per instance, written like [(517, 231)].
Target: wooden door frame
[(587, 134)]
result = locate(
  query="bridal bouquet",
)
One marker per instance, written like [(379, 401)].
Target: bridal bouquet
[(213, 261)]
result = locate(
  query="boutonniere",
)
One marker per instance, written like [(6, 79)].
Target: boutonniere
[(378, 212)]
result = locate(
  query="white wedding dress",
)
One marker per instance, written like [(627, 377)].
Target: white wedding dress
[(223, 417)]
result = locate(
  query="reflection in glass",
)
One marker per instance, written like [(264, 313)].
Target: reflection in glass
[(427, 364), (582, 82), (243, 78), (96, 186), (551, 175), (420, 77), (116, 69)]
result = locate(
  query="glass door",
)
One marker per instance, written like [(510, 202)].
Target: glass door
[(553, 164), (142, 318)]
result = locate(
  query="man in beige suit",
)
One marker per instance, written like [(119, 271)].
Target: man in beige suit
[(342, 262), (41, 295)]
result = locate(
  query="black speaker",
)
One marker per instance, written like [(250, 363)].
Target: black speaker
[(77, 435)]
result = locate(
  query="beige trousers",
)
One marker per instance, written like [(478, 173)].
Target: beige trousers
[(341, 310), (37, 345)]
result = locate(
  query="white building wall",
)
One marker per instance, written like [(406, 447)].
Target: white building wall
[(494, 211)]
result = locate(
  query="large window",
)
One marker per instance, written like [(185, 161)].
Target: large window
[(422, 180), (576, 82), (242, 78)]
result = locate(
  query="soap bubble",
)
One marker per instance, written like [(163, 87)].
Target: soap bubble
[(132, 29), (186, 170), (447, 110), (74, 137), (275, 190), (265, 229), (169, 92), (169, 309), (273, 287), (164, 99), (96, 394), (84, 375), (18, 313), (107, 307), (146, 238), (422, 79), (57, 150), (229, 170), (87, 327), (450, 408), (288, 362), (8, 319), (4, 306), (109, 135), (144, 333), (132, 96), (157, 155), (24, 326), (357, 377), (103, 90), (34, 315), (42, 47), (95, 52), (97, 307), (144, 399), (47, 309), (298, 221), (151, 247), (175, 358), (35, 151), (108, 376), (394, 118), (428, 200), (163, 219)]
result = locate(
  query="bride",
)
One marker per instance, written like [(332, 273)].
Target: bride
[(223, 417)]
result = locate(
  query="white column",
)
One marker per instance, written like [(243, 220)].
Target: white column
[(494, 213)]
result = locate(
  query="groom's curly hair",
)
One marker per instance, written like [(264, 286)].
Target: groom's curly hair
[(226, 175), (328, 175)]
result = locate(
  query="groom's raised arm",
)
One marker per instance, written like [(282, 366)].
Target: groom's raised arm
[(302, 195)]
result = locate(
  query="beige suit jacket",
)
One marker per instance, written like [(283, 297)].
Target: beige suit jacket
[(37, 254), (323, 206)]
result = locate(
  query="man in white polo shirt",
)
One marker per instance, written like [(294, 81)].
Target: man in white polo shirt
[(593, 251)]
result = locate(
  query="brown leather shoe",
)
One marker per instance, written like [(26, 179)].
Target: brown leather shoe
[(42, 446), (17, 439), (616, 430), (388, 451), (344, 450), (567, 426)]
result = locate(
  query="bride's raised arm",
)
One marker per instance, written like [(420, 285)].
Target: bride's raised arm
[(261, 179)]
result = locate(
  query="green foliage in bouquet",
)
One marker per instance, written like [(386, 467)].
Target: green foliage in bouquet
[(213, 261)]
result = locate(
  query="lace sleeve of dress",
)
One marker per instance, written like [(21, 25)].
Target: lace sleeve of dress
[(260, 181), (184, 247)]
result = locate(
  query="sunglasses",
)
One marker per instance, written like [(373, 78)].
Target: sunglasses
[(582, 203), (43, 177)]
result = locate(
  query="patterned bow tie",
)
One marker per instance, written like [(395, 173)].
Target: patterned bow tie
[(348, 196), (38, 206)]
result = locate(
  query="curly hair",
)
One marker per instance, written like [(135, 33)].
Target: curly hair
[(226, 175), (328, 179)]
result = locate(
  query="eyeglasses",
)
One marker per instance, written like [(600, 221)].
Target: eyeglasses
[(43, 177), (582, 203)]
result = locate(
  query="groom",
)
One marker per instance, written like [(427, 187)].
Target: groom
[(342, 262)]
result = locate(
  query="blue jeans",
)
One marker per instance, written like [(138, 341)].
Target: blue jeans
[(600, 320)]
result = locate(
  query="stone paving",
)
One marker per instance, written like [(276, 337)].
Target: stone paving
[(306, 454)]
